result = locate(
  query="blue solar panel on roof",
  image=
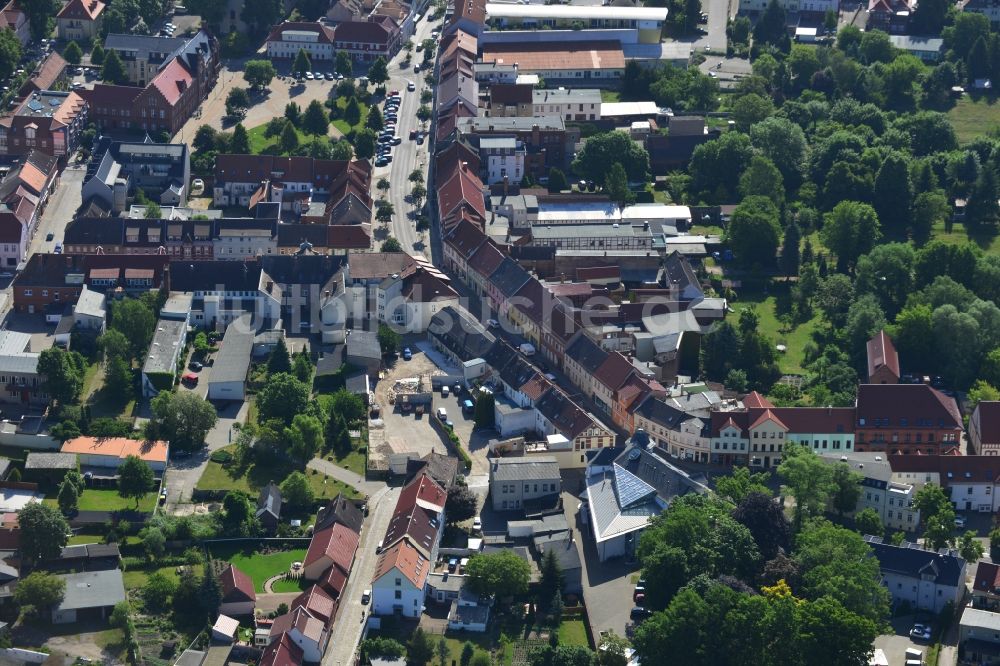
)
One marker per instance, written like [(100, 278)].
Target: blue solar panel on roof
[(630, 488)]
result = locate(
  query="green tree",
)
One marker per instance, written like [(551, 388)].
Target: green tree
[(751, 109), (380, 646), (282, 397), (931, 500), (420, 648), (157, 591), (484, 415), (349, 406), (557, 180), (237, 102), (501, 574), (289, 139), (239, 143), (365, 143), (153, 542), (868, 522), (182, 418), (388, 339), (808, 479), (68, 498), (739, 483), (763, 178), (790, 253), (305, 436), (43, 532), (135, 479), (113, 70), (551, 579), (302, 63), (754, 232), (601, 150), (375, 121), (716, 166), (97, 54), (302, 368), (237, 514), (258, 73), (616, 185), (279, 361), (153, 211), (378, 72), (468, 652), (771, 28), (894, 194), (352, 112), (72, 53), (982, 210), (296, 491), (293, 113), (981, 391), (391, 244), (461, 504), (40, 590), (846, 488), (209, 592), (765, 519), (134, 319), (343, 64), (969, 547), (315, 119), (850, 230), (62, 374)]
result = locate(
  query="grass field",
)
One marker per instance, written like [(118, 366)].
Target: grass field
[(135, 579), (108, 500), (290, 585), (260, 144), (223, 477), (611, 96), (794, 339), (342, 125), (957, 235), (573, 632), (260, 567), (975, 116)]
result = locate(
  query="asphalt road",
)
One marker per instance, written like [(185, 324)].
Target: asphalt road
[(60, 209), (407, 156), (346, 631)]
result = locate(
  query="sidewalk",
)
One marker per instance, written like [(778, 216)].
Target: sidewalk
[(347, 476)]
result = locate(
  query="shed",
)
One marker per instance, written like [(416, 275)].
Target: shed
[(229, 372), (225, 628), (364, 351), (89, 594), (52, 467)]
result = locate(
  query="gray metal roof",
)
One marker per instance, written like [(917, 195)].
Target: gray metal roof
[(535, 468), (233, 361), (446, 581), (92, 589), (980, 619), (168, 337), (363, 344), (466, 614), (90, 303), (38, 460), (611, 519)]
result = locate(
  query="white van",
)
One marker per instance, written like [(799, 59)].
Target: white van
[(445, 390), (527, 349), (442, 414)]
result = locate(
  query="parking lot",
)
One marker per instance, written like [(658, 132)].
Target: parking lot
[(895, 645)]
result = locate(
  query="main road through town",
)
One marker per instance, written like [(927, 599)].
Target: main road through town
[(408, 155)]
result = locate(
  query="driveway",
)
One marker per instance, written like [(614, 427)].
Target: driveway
[(895, 645), (346, 631), (58, 212)]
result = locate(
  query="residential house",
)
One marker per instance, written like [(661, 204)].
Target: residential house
[(143, 55), (906, 418), (49, 74), (14, 18), (19, 370), (511, 99), (241, 239), (238, 596), (223, 291), (460, 196), (469, 612), (883, 361), (288, 38), (460, 244), (517, 484), (57, 279), (269, 507), (986, 588), (159, 369), (317, 603), (24, 192), (454, 332), (984, 428), (48, 120), (111, 452), (89, 594), (282, 652), (367, 41), (892, 16), (644, 24), (971, 482), (557, 414), (561, 61), (562, 545), (80, 20), (684, 435), (502, 160), (577, 104), (469, 17), (181, 239), (90, 312), (118, 169), (547, 141), (408, 300), (440, 467), (364, 351), (890, 499), (925, 579), (400, 580), (979, 636), (333, 546), (989, 8), (309, 633)]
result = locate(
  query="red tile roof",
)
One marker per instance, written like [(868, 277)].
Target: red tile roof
[(407, 559), (766, 415), (486, 259), (465, 238), (599, 273), (614, 371), (325, 32), (236, 585), (317, 603), (462, 189), (337, 542), (282, 652), (988, 413), (755, 399), (881, 352), (906, 406), (334, 581), (348, 237), (473, 10), (83, 10), (173, 81), (987, 578), (365, 32), (982, 469)]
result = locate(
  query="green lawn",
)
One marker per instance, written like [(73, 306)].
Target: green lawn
[(224, 477), (794, 338), (610, 96), (102, 403), (260, 144), (342, 125), (135, 579), (93, 499), (573, 632), (291, 585), (974, 116), (958, 236), (259, 567)]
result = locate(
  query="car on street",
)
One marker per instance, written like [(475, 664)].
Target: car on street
[(960, 522), (58, 249), (196, 366), (413, 134), (49, 237), (407, 354), (638, 613), (416, 69), (189, 378), (396, 140), (420, 140), (493, 323), (329, 76), (920, 632), (366, 596), (309, 76), (411, 86), (163, 496), (393, 93), (477, 523), (381, 162)]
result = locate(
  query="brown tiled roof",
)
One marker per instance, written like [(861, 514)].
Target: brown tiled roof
[(365, 32), (105, 95), (282, 652), (378, 265), (462, 189), (83, 10), (46, 73), (755, 399), (599, 273), (333, 581), (720, 420), (465, 238), (473, 10), (614, 371), (236, 585), (325, 32), (987, 578), (989, 421), (486, 259), (410, 562), (348, 237), (318, 603), (903, 406), (951, 468), (536, 387), (415, 515), (511, 93), (337, 542), (449, 159), (881, 352), (557, 55)]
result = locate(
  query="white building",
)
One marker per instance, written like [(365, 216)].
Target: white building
[(287, 39), (644, 23), (570, 103), (820, 6), (502, 160), (411, 298), (229, 372), (891, 500), (925, 579), (400, 580), (90, 311), (160, 367), (236, 241)]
